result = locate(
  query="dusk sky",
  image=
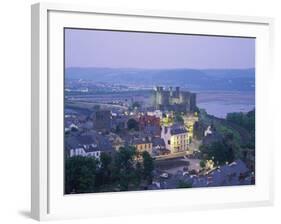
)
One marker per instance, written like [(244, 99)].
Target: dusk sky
[(113, 49)]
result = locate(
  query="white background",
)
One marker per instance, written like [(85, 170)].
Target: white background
[(15, 110)]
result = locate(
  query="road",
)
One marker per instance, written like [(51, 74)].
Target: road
[(171, 156)]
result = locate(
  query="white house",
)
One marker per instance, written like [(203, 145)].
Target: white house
[(208, 131), (88, 145), (91, 152), (176, 138)]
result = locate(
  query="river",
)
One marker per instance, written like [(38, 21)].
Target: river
[(220, 103)]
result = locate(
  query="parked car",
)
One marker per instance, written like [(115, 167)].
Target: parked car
[(164, 175)]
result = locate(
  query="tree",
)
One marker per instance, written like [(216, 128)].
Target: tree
[(123, 171), (198, 130), (105, 168), (80, 173), (202, 164), (138, 174), (246, 120), (219, 151), (148, 167), (133, 124), (178, 118), (124, 167)]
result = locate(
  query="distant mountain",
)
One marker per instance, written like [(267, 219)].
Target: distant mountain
[(208, 79)]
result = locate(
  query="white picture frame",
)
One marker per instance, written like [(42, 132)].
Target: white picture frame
[(47, 198)]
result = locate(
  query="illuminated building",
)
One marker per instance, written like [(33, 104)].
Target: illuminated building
[(189, 121), (176, 138), (142, 145)]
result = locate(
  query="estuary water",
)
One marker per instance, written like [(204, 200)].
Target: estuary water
[(220, 103)]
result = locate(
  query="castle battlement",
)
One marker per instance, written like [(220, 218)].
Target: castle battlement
[(174, 99)]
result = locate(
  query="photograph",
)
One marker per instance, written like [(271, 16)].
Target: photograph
[(157, 111)]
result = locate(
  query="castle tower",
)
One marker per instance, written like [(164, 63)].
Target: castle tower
[(158, 96)]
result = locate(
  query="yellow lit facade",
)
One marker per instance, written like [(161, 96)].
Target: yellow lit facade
[(167, 121), (179, 142), (189, 122), (141, 147)]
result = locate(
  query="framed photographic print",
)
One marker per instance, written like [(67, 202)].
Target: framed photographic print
[(148, 111)]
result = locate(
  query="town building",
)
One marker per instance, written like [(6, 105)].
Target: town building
[(156, 113), (88, 145), (150, 125), (147, 120), (208, 131), (235, 173), (189, 121), (116, 141), (101, 120), (211, 136), (176, 138), (143, 144), (119, 123), (159, 147), (86, 152)]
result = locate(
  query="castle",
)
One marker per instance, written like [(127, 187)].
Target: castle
[(176, 100)]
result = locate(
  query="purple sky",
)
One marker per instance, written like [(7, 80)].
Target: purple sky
[(93, 48)]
